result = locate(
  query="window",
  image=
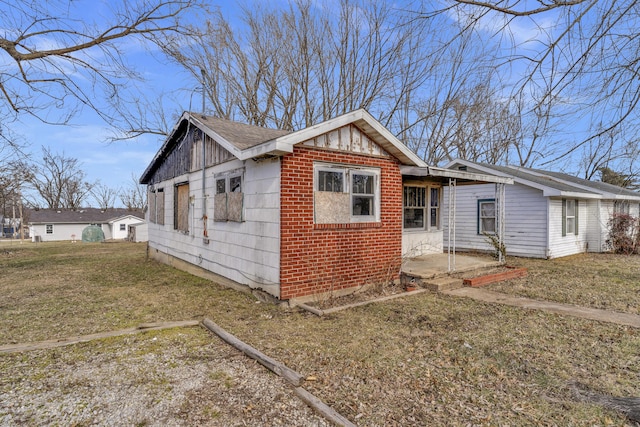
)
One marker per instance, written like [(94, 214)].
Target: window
[(569, 217), (123, 227), (49, 228), (421, 207), (330, 180), (487, 216), (362, 194), (434, 203), (155, 203), (414, 207), (346, 194), (181, 208), (229, 199)]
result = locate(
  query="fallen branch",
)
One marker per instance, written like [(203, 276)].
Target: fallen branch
[(288, 374), (628, 406)]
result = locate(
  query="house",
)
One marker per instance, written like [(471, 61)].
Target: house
[(60, 224), (293, 214), (547, 214)]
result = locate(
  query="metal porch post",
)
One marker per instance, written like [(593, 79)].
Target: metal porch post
[(451, 247), (500, 202)]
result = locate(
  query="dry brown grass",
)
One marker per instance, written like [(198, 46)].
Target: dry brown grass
[(604, 281), (425, 360)]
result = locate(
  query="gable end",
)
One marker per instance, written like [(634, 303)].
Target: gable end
[(349, 139)]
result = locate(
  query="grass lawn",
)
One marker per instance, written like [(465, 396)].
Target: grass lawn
[(604, 281), (429, 359)]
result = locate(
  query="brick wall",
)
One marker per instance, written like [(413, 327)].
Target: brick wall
[(318, 258)]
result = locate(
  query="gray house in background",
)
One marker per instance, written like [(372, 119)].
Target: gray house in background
[(54, 225), (547, 214)]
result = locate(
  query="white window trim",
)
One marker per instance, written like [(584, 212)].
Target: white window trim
[(348, 171), (480, 217), (427, 208)]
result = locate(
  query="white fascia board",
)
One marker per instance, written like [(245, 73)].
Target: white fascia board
[(285, 144), (275, 147), (397, 144), (471, 176), (570, 194)]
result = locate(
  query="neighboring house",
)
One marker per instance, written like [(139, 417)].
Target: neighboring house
[(293, 214), (53, 224), (547, 214)]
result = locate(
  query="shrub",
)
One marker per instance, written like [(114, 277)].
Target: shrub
[(624, 234)]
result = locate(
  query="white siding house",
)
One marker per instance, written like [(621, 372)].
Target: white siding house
[(324, 209), (547, 214), (58, 224)]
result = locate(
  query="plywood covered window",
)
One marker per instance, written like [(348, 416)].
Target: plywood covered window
[(346, 194), (229, 198), (155, 204), (181, 208)]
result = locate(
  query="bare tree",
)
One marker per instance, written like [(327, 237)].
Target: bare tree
[(134, 196), (59, 181), (293, 67), (104, 196), (59, 59), (579, 70)]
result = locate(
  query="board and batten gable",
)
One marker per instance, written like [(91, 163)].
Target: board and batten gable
[(245, 251), (525, 219)]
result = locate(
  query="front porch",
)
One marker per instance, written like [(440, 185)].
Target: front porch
[(443, 271), (439, 265)]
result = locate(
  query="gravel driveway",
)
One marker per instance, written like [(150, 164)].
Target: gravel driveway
[(171, 378)]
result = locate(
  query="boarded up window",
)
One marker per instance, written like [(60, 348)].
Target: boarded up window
[(155, 203), (229, 199), (181, 208), (151, 204), (160, 206)]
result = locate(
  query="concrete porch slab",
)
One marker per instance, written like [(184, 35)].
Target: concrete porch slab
[(436, 265)]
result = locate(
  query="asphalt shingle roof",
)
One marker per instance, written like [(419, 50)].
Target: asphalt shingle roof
[(81, 216), (241, 135)]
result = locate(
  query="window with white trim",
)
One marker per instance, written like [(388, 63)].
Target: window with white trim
[(345, 194), (49, 228), (569, 216), (487, 216), (421, 207), (123, 227)]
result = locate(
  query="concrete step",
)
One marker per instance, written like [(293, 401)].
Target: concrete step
[(442, 284)]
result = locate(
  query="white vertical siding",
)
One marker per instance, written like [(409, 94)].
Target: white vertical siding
[(598, 213), (525, 219), (570, 244), (247, 252)]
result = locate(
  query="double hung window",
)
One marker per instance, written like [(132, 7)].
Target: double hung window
[(487, 216)]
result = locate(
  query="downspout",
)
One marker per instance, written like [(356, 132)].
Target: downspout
[(205, 233)]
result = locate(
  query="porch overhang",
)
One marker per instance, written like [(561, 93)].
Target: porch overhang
[(446, 174)]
